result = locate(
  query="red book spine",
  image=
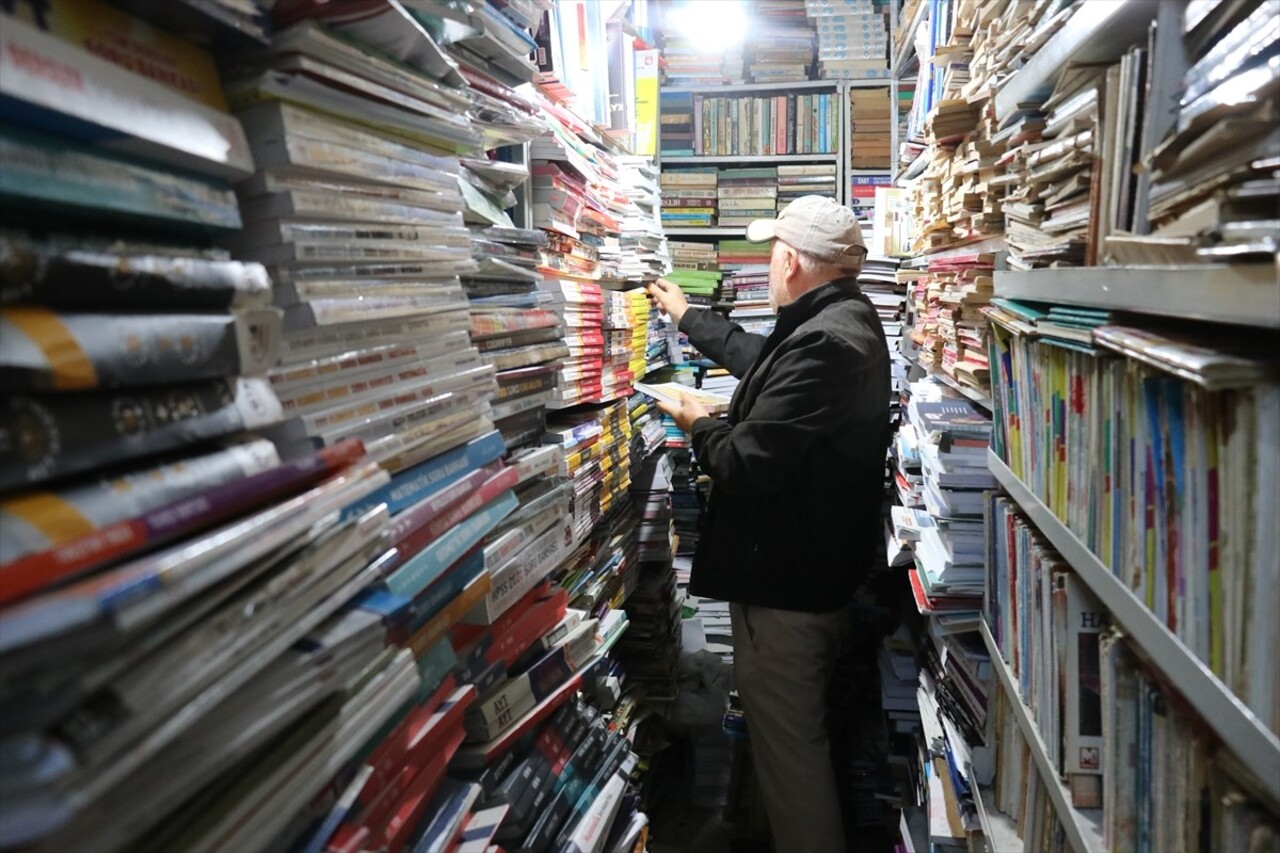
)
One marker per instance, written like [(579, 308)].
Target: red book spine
[(408, 811), (433, 530), (172, 521)]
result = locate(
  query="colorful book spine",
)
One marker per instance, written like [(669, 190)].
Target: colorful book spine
[(171, 521), (427, 565), (412, 485)]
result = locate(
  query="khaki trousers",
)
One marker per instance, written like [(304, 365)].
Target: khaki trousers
[(783, 661)]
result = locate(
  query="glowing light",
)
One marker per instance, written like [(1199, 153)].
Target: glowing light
[(713, 26)]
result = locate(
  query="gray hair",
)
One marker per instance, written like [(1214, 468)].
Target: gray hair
[(818, 268)]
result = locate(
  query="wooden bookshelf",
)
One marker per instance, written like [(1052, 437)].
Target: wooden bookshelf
[(1083, 826), (1241, 294), (1254, 746)]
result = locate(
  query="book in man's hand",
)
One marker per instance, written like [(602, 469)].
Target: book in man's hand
[(669, 392)]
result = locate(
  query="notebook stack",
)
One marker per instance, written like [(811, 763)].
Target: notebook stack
[(747, 194), (689, 197), (799, 180), (751, 309), (853, 38), (782, 51)]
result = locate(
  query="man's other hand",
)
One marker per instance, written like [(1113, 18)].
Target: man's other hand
[(686, 413), (669, 296)]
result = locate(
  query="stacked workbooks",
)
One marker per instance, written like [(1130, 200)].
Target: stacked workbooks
[(619, 325), (797, 180), (689, 197), (950, 330), (595, 442), (746, 194), (853, 38), (645, 254), (580, 306), (701, 287), (782, 48), (878, 280)]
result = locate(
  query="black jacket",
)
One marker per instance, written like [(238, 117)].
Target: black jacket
[(798, 465)]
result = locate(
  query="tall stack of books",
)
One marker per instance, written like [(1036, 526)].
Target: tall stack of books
[(689, 197), (796, 180), (746, 194), (596, 444), (580, 307), (701, 287), (618, 330), (871, 119), (853, 38), (676, 135), (950, 330), (643, 244), (782, 51), (878, 280)]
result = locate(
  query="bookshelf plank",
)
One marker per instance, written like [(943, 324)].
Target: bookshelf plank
[(694, 160), (998, 829), (745, 88), (1243, 294), (1084, 827), (1255, 747)]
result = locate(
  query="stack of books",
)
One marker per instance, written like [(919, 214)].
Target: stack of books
[(735, 254), (580, 308), (618, 329), (642, 243), (676, 134), (596, 443), (701, 287), (513, 331), (879, 281), (853, 38), (747, 194), (950, 331), (871, 121), (799, 180), (690, 255), (688, 64), (751, 308), (689, 197), (782, 50)]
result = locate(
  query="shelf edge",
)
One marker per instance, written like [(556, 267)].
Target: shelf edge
[(1255, 747)]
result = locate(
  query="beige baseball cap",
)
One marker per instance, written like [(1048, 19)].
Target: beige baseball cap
[(817, 226)]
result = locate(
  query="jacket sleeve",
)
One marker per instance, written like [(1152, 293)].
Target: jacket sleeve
[(725, 342), (806, 396)]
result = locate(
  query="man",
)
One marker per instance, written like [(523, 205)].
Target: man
[(794, 514)]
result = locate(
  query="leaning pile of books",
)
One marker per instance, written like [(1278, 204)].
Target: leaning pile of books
[(853, 38)]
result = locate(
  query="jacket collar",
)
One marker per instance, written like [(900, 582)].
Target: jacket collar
[(808, 305)]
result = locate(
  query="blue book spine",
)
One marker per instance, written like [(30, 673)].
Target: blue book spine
[(440, 593), (437, 662), (445, 815), (429, 563), (409, 487)]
